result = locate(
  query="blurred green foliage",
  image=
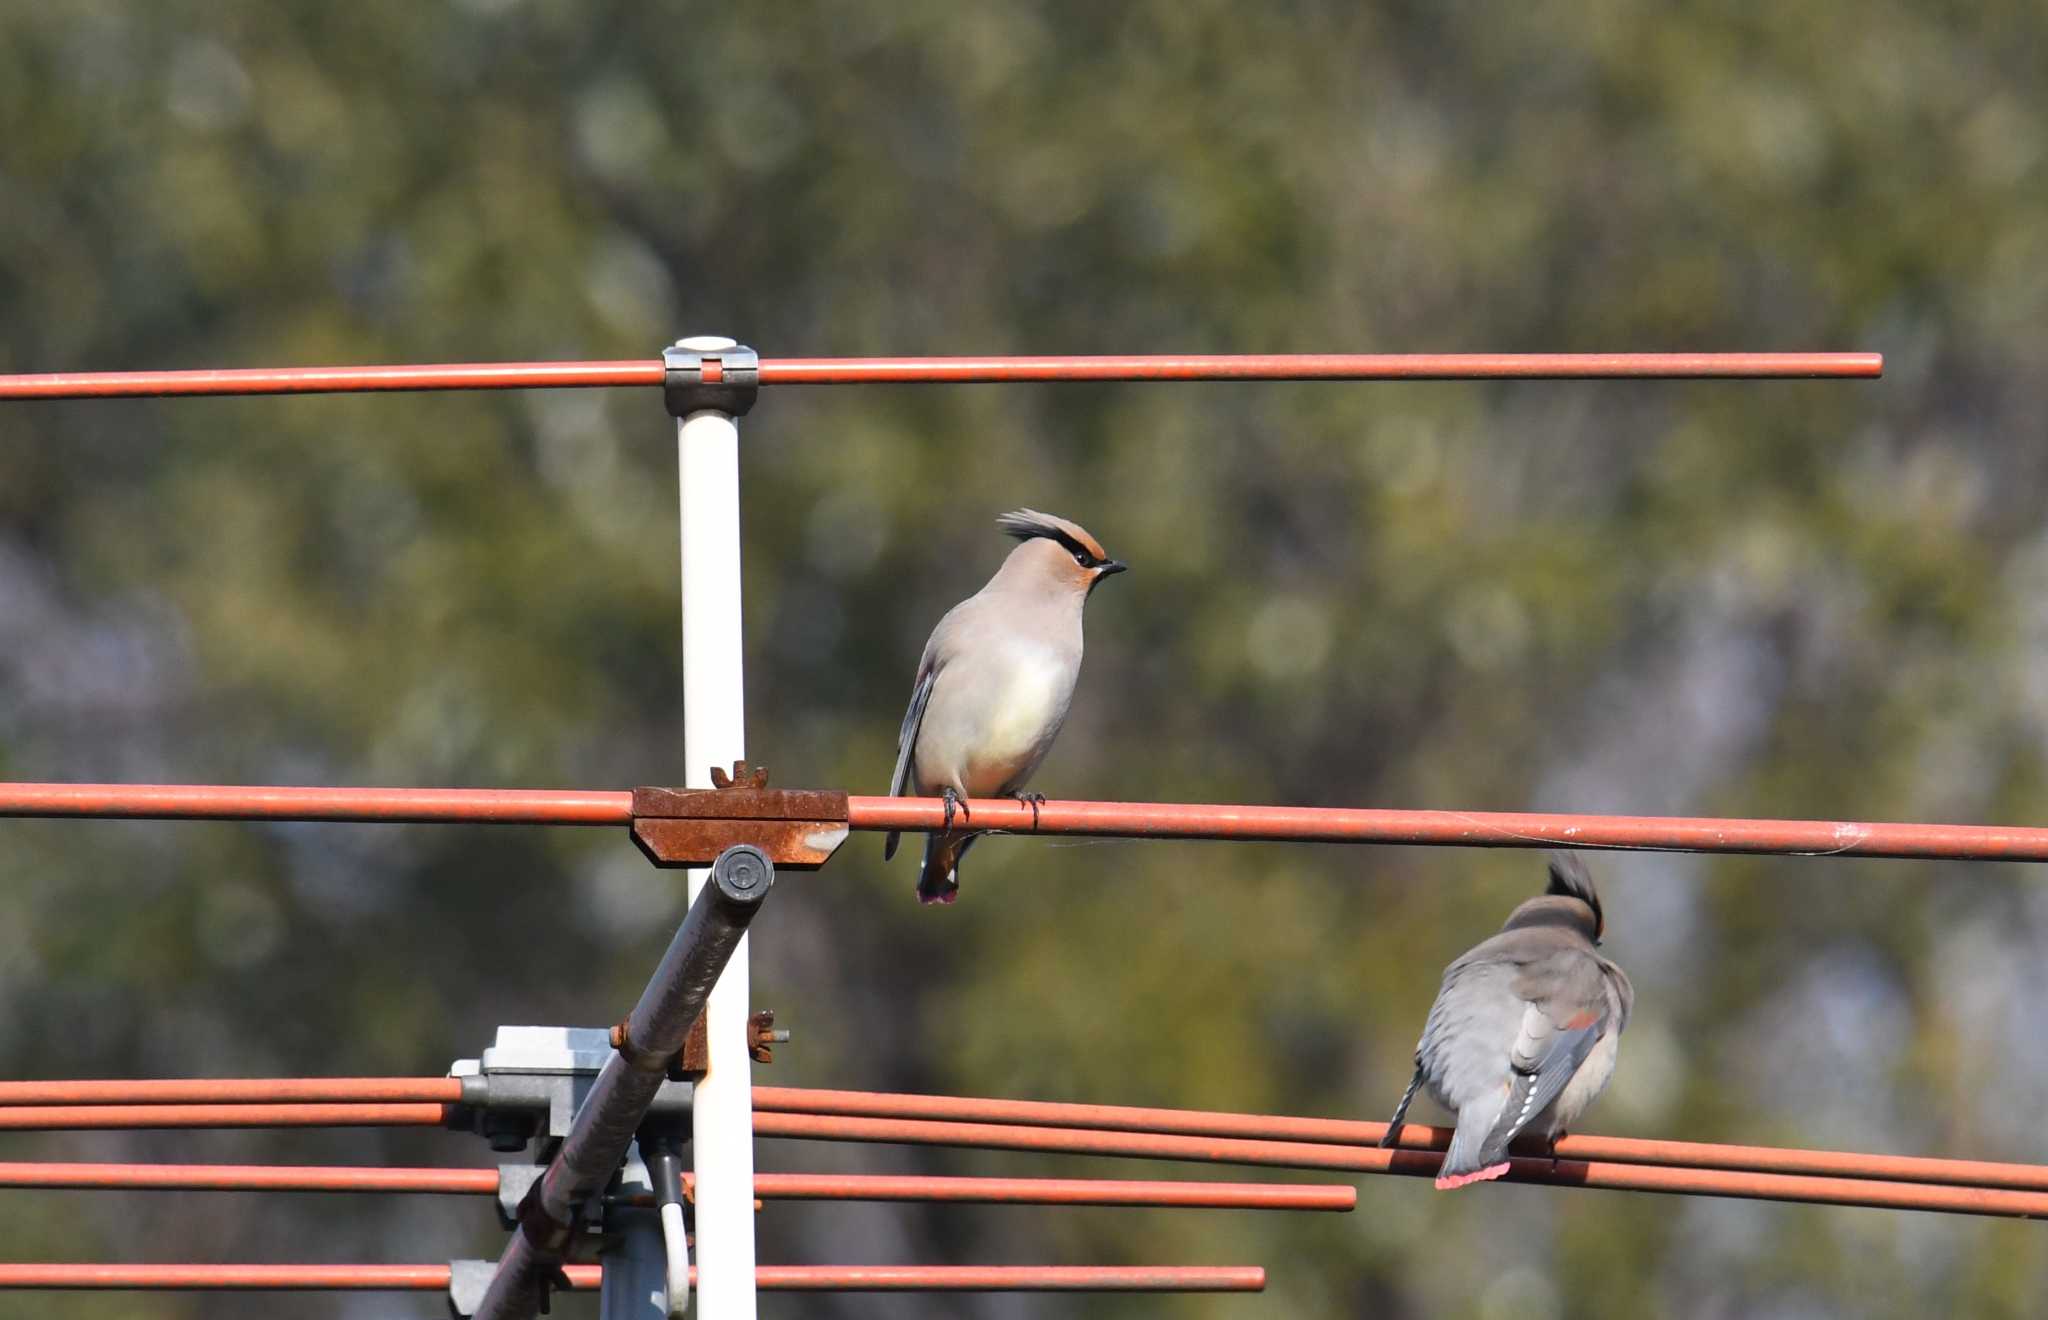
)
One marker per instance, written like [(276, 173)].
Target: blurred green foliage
[(1776, 599)]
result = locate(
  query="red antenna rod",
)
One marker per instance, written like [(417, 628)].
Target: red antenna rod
[(235, 1091), (1767, 1172), (286, 1101), (506, 806), (1414, 1136), (249, 1178), (1152, 820), (768, 1186), (955, 370), (782, 1278), (1472, 829), (1963, 1195), (1950, 1198), (65, 1118)]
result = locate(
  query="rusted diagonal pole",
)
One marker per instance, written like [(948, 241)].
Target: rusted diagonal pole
[(951, 370), (646, 1043)]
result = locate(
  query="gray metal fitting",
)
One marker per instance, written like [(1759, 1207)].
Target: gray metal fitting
[(531, 1080), (710, 373), (468, 1281)]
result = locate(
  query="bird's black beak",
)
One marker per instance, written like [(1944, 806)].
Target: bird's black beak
[(1109, 566)]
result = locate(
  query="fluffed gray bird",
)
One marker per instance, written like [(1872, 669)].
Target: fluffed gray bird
[(994, 684), (1523, 1035)]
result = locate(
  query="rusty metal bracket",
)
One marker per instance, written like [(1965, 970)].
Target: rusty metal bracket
[(630, 1050), (695, 1060), (796, 828), (763, 1036)]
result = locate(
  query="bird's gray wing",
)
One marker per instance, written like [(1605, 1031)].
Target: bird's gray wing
[(1566, 1014), (1463, 1052), (906, 738)]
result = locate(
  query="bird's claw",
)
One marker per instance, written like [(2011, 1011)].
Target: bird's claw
[(954, 803), (1033, 801)]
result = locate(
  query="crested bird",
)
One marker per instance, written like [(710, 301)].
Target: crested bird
[(1523, 1034), (994, 684)]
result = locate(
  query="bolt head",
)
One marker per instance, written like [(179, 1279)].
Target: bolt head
[(745, 869)]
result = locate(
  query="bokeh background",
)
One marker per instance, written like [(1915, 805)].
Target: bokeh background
[(1789, 599)]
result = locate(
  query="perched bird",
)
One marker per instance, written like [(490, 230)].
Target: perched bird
[(1523, 1034), (994, 684)]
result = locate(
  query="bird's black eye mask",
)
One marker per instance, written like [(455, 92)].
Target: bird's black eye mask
[(1025, 529)]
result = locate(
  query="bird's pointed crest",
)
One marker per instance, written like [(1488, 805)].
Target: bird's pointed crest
[(1024, 524), (1570, 879)]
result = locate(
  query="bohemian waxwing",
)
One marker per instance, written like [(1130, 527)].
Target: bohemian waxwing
[(1523, 1034), (994, 684)]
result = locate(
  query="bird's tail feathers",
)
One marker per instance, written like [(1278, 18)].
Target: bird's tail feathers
[(1451, 1182), (938, 880), (889, 844), (1464, 1162)]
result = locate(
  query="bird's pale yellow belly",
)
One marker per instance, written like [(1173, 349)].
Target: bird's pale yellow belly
[(990, 722), (1024, 713)]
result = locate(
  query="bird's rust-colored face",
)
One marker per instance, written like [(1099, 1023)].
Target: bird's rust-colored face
[(1080, 558)]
